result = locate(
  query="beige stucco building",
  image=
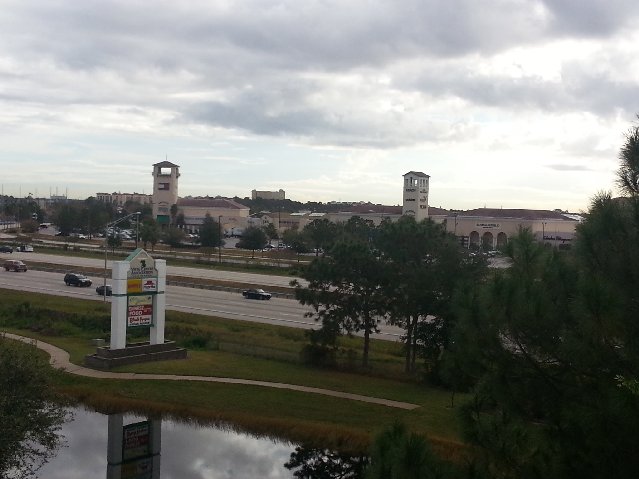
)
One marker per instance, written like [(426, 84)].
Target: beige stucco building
[(232, 215), (268, 195), (415, 195), (493, 227), (165, 190)]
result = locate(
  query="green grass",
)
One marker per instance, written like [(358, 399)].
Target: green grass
[(71, 324)]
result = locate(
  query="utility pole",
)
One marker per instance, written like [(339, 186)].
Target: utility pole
[(219, 237)]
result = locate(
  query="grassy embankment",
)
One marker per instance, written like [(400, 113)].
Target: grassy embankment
[(226, 348)]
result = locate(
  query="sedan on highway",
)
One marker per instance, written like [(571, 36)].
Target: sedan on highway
[(100, 290), (74, 279), (256, 294), (14, 265)]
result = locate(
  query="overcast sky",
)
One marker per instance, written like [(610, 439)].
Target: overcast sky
[(504, 103)]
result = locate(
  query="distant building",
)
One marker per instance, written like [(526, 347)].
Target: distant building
[(493, 228), (292, 221), (268, 195), (165, 190), (415, 195), (367, 211), (232, 215), (120, 199), (262, 219)]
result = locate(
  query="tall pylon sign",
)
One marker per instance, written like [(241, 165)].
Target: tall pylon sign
[(138, 300), (139, 284)]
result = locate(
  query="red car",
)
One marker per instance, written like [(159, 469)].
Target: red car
[(14, 265)]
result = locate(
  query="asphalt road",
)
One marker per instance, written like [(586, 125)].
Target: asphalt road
[(280, 311), (258, 280)]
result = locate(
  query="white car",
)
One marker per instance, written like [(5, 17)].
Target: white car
[(26, 248)]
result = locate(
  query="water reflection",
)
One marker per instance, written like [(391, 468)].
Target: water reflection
[(313, 463), (133, 450), (187, 451), (129, 446)]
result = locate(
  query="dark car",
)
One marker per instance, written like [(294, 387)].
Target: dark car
[(5, 249), (256, 294), (14, 265), (74, 279), (100, 290)]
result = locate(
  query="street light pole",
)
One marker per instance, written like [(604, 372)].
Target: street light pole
[(219, 234), (106, 240)]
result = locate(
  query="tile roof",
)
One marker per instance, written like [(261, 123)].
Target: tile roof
[(515, 213), (373, 208), (166, 164), (210, 203)]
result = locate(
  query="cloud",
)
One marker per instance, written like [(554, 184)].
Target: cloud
[(415, 82), (590, 18), (569, 168)]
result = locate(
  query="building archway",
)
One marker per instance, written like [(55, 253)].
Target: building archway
[(502, 240), (474, 239), (487, 240)]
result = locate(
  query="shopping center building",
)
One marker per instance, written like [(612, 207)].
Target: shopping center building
[(489, 228)]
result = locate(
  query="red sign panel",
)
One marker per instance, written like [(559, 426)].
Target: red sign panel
[(139, 311), (136, 440)]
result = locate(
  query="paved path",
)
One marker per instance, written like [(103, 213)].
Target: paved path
[(60, 360)]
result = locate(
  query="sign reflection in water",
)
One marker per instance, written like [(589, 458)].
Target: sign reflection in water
[(133, 451), (188, 451), (96, 441)]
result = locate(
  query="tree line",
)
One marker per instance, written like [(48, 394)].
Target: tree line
[(547, 350)]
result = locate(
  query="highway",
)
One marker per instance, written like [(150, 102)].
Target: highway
[(279, 311), (259, 280)]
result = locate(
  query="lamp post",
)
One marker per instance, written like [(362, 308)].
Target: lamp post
[(219, 238), (137, 228), (106, 240)]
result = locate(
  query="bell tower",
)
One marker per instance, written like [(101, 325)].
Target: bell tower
[(415, 195), (165, 190)]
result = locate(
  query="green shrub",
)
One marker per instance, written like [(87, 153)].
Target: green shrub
[(317, 355)]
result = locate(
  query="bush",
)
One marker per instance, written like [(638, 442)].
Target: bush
[(53, 322), (317, 355), (192, 338)]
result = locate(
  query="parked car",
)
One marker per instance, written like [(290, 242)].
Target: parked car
[(25, 248), (100, 290), (14, 265), (75, 279), (256, 294), (6, 249)]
